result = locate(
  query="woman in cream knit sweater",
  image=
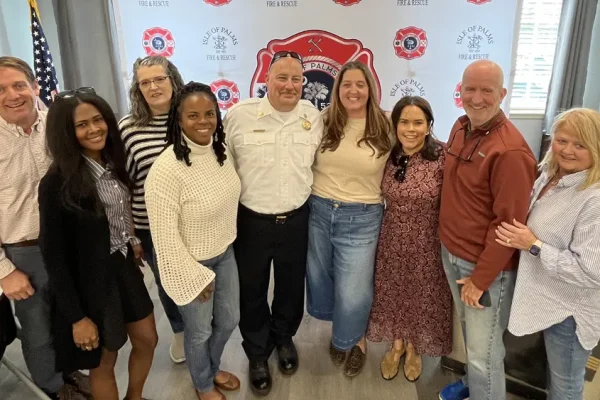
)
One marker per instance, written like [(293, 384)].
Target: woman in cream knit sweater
[(192, 194)]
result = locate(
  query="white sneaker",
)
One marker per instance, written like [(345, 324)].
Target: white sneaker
[(176, 350)]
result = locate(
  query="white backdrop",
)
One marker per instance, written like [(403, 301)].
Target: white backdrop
[(417, 47)]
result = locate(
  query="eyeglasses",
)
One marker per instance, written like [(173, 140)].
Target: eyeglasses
[(459, 155), (67, 94), (158, 81), (401, 162), (281, 54)]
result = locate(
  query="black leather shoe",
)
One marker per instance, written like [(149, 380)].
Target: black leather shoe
[(288, 358), (260, 378)]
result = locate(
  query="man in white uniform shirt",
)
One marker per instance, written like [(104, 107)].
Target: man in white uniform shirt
[(273, 141), (24, 160)]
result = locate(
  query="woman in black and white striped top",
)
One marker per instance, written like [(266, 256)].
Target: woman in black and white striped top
[(558, 283), (144, 132)]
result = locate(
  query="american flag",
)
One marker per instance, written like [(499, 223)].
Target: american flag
[(42, 58)]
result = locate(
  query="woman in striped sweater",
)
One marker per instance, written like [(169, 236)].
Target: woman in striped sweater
[(144, 133)]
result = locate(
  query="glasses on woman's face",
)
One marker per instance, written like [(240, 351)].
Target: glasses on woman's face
[(401, 162), (67, 94), (158, 81)]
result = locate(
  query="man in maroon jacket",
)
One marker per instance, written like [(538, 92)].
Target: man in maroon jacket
[(488, 177)]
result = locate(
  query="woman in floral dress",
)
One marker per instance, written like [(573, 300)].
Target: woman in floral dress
[(412, 304)]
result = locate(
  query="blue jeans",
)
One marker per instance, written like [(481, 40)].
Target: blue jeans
[(483, 329), (566, 361), (168, 304), (35, 317), (209, 325), (342, 242)]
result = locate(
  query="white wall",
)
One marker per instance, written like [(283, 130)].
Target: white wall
[(15, 34), (531, 128)]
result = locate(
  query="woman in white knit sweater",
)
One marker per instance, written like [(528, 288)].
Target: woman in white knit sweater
[(192, 194)]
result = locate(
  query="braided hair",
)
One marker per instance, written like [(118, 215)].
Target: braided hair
[(174, 131)]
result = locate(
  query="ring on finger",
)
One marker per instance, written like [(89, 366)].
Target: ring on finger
[(507, 241)]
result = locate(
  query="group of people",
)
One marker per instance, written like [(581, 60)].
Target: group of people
[(382, 225)]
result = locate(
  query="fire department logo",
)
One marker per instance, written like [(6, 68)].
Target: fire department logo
[(476, 40), (457, 99), (410, 42), (323, 53), (217, 3), (407, 87), (479, 2), (158, 42), (347, 3), (227, 93)]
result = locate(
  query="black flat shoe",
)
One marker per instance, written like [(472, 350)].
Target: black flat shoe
[(260, 378), (288, 358)]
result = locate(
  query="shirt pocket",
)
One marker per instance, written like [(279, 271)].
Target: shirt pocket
[(305, 146), (259, 148)]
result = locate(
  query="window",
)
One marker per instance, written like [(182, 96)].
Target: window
[(535, 55)]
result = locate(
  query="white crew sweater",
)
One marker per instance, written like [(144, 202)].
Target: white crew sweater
[(192, 212)]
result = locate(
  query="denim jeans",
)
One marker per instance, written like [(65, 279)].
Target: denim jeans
[(209, 325), (483, 329), (168, 304), (566, 361), (35, 317), (342, 242)]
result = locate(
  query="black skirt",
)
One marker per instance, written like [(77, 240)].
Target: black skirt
[(127, 301)]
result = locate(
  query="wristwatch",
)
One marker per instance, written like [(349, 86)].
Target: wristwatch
[(536, 248)]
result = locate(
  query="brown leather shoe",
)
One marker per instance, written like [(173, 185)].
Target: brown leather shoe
[(390, 365), (81, 382), (337, 356), (413, 365), (233, 383), (355, 362), (69, 392)]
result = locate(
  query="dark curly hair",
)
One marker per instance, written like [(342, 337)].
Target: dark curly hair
[(180, 147), (432, 148)]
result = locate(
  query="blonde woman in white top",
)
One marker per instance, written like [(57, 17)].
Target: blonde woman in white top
[(192, 194), (558, 284), (346, 209)]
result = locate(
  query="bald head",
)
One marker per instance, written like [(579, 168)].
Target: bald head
[(482, 91), (486, 68)]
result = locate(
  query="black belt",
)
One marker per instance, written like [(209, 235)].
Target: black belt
[(24, 243), (279, 219)]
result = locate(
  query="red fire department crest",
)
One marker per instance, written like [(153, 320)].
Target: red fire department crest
[(479, 2), (347, 3), (410, 42), (227, 93), (158, 42), (457, 99), (323, 55), (217, 3)]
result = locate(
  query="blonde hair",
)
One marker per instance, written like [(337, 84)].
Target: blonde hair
[(585, 123), (378, 126)]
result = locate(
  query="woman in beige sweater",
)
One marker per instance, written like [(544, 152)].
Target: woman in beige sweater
[(192, 194), (346, 208)]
